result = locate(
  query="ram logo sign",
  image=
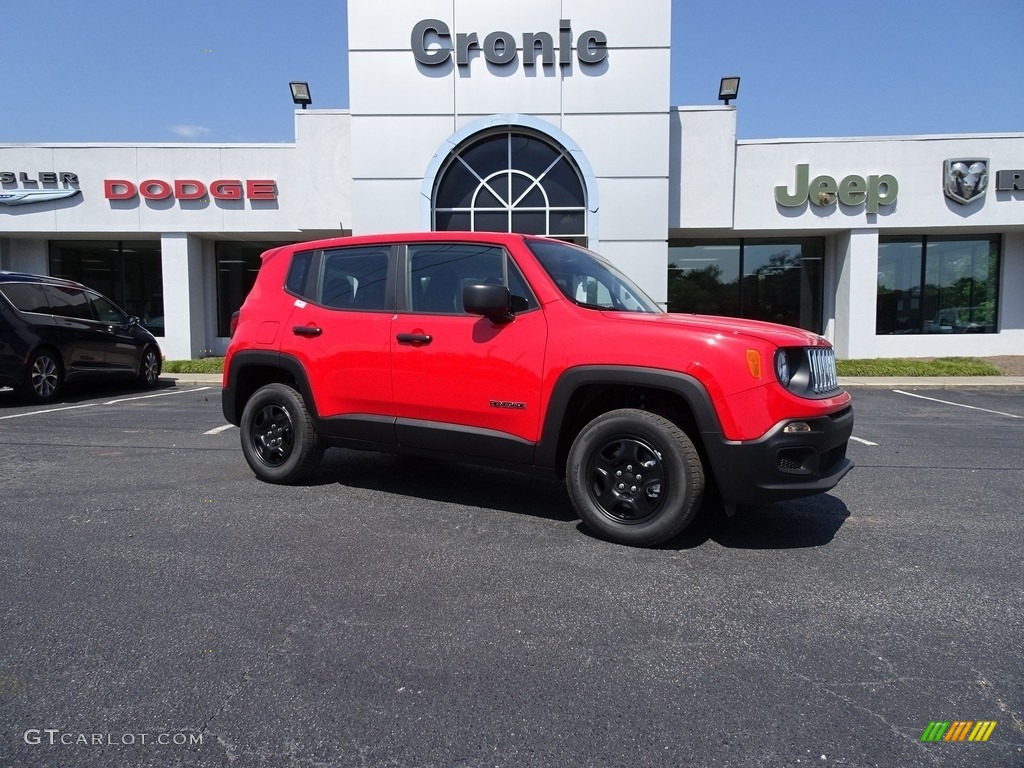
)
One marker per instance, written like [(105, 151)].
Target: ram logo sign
[(965, 179)]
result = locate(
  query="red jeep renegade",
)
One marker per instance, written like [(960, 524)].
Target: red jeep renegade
[(529, 353)]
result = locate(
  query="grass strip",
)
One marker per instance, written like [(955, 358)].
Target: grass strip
[(903, 366)]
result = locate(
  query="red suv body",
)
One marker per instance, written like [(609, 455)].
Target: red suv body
[(532, 354)]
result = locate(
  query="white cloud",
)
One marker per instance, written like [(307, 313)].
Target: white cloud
[(189, 131)]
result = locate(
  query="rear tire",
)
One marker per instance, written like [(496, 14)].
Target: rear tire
[(278, 438), (44, 377), (635, 477)]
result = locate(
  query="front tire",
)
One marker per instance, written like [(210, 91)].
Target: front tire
[(635, 477), (44, 377), (149, 368), (278, 438)]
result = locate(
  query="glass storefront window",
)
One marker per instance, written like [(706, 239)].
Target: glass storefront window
[(237, 265), (127, 271), (899, 286), (776, 280), (937, 285), (704, 279)]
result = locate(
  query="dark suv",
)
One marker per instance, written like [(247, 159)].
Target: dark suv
[(54, 330)]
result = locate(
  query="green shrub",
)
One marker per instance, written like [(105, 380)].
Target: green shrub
[(203, 365), (941, 366)]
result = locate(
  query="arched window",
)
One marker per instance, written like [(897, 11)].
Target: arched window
[(511, 181)]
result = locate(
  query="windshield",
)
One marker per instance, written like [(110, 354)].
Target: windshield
[(589, 280)]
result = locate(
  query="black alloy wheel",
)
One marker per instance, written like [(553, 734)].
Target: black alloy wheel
[(149, 368), (44, 377)]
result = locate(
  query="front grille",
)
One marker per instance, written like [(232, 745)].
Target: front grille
[(822, 362)]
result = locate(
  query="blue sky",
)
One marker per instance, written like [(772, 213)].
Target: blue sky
[(218, 70)]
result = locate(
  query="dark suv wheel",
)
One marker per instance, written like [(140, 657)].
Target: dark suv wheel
[(43, 378), (149, 368), (635, 477), (278, 438)]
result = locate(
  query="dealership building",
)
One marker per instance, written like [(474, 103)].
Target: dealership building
[(549, 117)]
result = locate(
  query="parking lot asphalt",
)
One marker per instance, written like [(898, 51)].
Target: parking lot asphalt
[(402, 612)]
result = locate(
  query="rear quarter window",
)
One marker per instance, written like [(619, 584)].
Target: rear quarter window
[(297, 281)]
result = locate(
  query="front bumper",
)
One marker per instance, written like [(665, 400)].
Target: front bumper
[(780, 465)]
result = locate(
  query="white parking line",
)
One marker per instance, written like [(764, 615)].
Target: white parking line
[(159, 394), (959, 405), (48, 410), (862, 440), (218, 430), (109, 402)]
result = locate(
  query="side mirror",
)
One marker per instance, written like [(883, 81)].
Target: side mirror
[(492, 301), (133, 320)]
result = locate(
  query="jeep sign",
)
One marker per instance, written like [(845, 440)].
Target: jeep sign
[(853, 190)]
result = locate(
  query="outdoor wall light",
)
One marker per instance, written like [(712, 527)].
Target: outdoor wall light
[(728, 89), (300, 93)]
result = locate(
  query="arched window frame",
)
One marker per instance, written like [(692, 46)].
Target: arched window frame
[(516, 125)]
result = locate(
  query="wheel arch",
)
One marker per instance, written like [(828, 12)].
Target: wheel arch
[(581, 394), (54, 349), (251, 370), (155, 346)]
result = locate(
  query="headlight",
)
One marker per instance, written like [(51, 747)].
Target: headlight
[(782, 370)]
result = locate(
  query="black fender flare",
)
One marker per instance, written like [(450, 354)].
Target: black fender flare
[(683, 385), (231, 403)]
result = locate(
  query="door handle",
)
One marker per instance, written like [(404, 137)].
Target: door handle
[(416, 339), (306, 330)]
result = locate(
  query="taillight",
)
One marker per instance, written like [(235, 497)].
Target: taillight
[(234, 324)]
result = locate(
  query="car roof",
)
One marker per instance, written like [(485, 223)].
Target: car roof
[(25, 277), (500, 238)]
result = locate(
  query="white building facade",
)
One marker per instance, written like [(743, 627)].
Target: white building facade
[(549, 117)]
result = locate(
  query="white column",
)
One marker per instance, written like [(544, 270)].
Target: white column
[(856, 293), (184, 305), (1011, 287), (24, 255)]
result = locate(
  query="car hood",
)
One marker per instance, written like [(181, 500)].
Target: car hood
[(779, 335)]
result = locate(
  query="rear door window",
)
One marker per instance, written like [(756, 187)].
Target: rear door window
[(68, 302), (355, 278)]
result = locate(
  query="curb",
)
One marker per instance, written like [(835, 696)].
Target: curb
[(191, 378), (931, 382)]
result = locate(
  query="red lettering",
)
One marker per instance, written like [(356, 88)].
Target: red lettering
[(163, 189), (118, 189), (189, 189), (226, 189), (261, 189)]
